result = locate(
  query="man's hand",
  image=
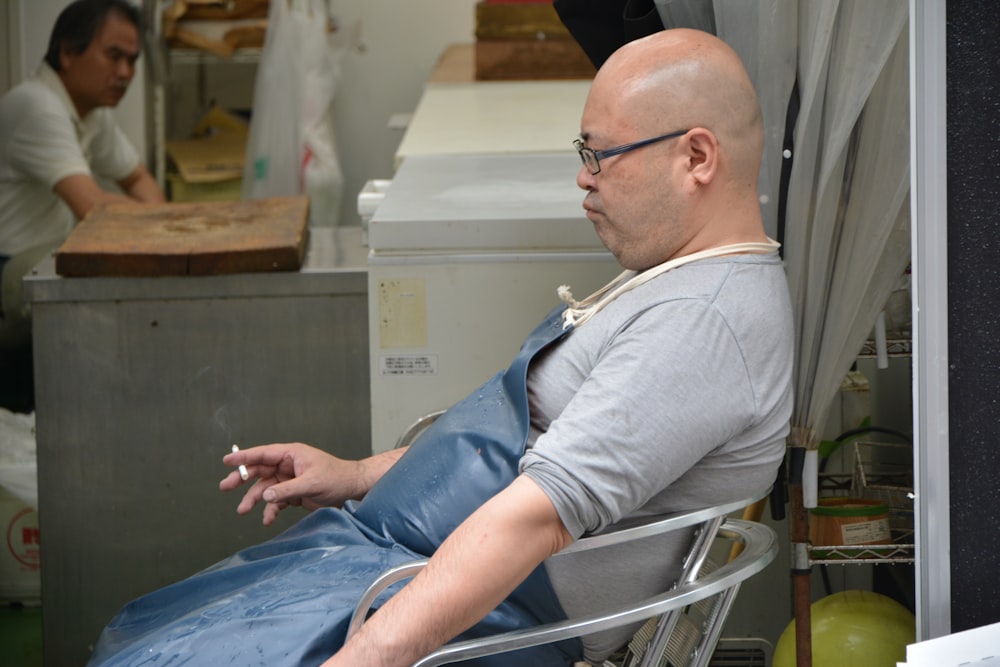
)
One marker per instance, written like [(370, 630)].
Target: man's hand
[(300, 475)]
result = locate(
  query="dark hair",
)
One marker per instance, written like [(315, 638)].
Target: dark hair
[(77, 24)]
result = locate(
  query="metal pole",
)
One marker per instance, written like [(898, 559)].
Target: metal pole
[(801, 571)]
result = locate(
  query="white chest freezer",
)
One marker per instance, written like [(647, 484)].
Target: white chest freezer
[(465, 255)]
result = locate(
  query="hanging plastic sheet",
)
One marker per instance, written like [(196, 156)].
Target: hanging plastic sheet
[(18, 467), (292, 148)]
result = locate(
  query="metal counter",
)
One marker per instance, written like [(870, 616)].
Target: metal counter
[(144, 384)]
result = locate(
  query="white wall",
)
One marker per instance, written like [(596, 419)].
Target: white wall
[(392, 47)]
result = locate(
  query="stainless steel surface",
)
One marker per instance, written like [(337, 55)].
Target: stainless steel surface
[(452, 204), (143, 385)]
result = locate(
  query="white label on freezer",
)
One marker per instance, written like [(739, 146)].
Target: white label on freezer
[(408, 364)]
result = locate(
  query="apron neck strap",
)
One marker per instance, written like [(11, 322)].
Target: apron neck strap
[(578, 312)]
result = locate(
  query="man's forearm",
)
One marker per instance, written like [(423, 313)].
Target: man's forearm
[(474, 570), (81, 192), (141, 186), (371, 469)]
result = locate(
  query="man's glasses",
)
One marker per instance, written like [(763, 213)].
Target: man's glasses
[(592, 159)]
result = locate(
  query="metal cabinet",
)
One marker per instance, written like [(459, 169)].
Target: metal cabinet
[(144, 384)]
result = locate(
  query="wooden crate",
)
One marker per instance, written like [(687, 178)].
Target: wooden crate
[(519, 20), (526, 40)]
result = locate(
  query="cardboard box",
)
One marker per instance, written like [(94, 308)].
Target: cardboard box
[(209, 167), (184, 191)]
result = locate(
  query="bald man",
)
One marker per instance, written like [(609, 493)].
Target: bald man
[(669, 392)]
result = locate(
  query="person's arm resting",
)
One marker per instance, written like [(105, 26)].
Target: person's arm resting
[(141, 186), (478, 566), (81, 192)]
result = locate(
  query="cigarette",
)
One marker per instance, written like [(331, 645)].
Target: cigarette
[(244, 475)]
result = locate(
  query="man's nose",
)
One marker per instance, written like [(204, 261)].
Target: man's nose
[(584, 179), (125, 69)]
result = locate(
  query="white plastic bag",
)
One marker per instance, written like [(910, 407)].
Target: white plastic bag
[(18, 461), (291, 148)]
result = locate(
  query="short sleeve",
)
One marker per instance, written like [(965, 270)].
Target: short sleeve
[(112, 155), (45, 147), (670, 387)]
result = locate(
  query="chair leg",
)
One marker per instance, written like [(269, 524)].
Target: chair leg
[(714, 625)]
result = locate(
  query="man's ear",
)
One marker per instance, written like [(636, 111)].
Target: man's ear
[(64, 57), (703, 154)]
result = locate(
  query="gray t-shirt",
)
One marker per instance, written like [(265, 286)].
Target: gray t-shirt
[(676, 396)]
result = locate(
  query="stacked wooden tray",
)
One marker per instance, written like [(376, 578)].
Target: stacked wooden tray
[(196, 239)]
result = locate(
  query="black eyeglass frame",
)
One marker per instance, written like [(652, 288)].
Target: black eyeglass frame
[(589, 154)]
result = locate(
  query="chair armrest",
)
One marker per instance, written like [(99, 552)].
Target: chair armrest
[(665, 524), (759, 549), (384, 581), (658, 526)]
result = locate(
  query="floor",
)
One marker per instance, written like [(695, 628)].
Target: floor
[(20, 636)]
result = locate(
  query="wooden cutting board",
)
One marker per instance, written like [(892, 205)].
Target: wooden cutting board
[(182, 238)]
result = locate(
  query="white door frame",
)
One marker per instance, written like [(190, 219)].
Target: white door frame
[(929, 242)]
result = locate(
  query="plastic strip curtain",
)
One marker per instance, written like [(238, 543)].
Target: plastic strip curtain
[(846, 210), (846, 232), (765, 34)]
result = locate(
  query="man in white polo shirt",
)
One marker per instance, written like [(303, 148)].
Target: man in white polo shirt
[(58, 137)]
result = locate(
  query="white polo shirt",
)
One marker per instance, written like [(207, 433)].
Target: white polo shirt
[(42, 141)]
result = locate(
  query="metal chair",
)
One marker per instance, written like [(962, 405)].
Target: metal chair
[(684, 623), (407, 437)]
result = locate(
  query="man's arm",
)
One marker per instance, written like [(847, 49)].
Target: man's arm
[(141, 186), (81, 192), (485, 559)]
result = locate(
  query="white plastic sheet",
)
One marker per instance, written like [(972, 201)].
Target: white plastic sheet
[(291, 148), (18, 463)]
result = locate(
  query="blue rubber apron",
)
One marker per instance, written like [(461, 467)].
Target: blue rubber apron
[(288, 601)]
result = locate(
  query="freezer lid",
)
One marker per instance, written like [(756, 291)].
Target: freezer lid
[(518, 203)]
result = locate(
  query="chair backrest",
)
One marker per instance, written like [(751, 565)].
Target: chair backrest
[(414, 430), (685, 622)]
